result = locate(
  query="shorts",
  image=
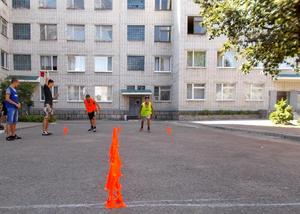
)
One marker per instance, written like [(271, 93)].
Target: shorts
[(48, 110), (91, 115), (146, 118), (12, 116)]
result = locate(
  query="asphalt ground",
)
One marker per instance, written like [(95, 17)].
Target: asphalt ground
[(193, 170)]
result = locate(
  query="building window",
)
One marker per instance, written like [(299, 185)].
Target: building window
[(195, 25), (226, 92), (226, 60), (3, 26), (141, 88), (22, 62), (21, 31), (104, 33), (76, 63), (4, 59), (48, 32), (103, 93), (196, 91), (162, 93), (130, 87), (163, 4), (255, 92), (76, 33), (136, 4), (135, 63), (162, 64), (54, 91), (49, 63), (48, 4), (135, 32), (103, 4), (76, 93), (21, 4), (75, 4), (196, 59), (162, 34), (103, 64)]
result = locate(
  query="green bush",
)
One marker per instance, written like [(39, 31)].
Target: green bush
[(35, 118), (283, 113)]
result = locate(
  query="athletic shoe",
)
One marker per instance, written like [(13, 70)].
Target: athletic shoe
[(46, 133), (17, 137), (10, 138), (94, 130), (91, 129)]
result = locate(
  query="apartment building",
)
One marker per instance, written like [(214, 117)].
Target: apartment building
[(120, 51)]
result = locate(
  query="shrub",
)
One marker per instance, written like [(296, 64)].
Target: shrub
[(35, 118), (283, 113)]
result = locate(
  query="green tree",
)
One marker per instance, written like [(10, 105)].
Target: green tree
[(261, 31), (283, 113)]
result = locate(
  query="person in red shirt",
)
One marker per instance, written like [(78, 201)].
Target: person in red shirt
[(91, 107)]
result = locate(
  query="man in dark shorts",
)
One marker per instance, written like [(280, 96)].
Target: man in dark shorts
[(91, 107), (12, 104), (48, 104)]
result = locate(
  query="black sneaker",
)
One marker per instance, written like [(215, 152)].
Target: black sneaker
[(91, 129), (16, 137), (94, 130), (10, 138)]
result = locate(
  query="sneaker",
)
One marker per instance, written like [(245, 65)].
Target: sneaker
[(91, 129), (149, 129), (94, 130), (16, 137), (46, 133), (10, 138)]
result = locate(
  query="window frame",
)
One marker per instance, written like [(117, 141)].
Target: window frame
[(80, 90), (162, 26), (74, 71), (220, 54), (131, 56), (159, 8), (136, 8), (52, 64), (15, 55), (15, 35), (96, 8), (222, 92), (193, 91), (20, 7), (73, 33), (194, 21), (101, 26), (5, 62), (252, 86), (134, 39), (73, 6), (109, 87), (193, 59), (107, 63), (160, 90), (43, 4), (3, 27), (45, 26), (55, 99), (162, 71)]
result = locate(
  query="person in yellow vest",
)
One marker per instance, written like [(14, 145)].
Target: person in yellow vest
[(146, 113)]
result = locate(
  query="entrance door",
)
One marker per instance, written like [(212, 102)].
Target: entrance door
[(134, 106)]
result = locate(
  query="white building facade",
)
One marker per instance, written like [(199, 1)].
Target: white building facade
[(120, 51)]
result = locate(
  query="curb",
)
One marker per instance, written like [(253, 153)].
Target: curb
[(270, 134)]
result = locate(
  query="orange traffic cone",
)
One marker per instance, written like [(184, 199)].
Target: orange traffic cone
[(66, 131), (169, 130), (113, 185)]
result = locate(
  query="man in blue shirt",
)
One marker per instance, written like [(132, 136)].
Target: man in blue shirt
[(12, 104)]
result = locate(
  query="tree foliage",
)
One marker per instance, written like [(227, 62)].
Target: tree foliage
[(283, 113), (261, 31)]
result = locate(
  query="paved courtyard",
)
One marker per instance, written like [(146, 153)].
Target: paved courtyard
[(196, 170)]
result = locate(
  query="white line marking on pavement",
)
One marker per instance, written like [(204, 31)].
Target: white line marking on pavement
[(161, 203)]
